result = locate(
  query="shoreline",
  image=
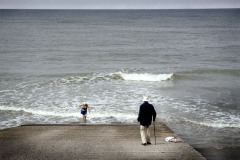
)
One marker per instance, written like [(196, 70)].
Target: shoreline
[(84, 141)]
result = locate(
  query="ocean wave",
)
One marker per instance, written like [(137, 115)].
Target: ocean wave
[(215, 124), (69, 114), (107, 117), (116, 76), (39, 112), (146, 77), (21, 115)]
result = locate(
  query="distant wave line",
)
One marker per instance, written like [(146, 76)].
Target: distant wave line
[(214, 124), (231, 72)]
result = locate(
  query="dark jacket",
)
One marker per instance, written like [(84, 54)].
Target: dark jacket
[(146, 114)]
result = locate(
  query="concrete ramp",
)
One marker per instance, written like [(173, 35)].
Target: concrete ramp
[(84, 142)]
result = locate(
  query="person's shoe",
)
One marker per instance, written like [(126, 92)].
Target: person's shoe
[(144, 144), (149, 143)]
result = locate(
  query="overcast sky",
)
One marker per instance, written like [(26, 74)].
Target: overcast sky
[(117, 4)]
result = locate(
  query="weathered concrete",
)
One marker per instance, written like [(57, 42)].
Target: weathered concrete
[(90, 142)]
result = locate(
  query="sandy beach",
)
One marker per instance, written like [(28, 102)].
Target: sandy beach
[(90, 142)]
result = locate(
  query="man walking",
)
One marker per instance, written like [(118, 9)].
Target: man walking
[(145, 116)]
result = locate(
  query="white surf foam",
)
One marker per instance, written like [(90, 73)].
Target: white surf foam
[(55, 113), (146, 77), (39, 112)]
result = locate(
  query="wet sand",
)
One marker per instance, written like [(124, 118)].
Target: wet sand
[(91, 142)]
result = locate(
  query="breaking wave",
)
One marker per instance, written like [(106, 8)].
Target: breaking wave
[(148, 77)]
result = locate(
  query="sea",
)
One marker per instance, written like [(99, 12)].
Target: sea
[(187, 62)]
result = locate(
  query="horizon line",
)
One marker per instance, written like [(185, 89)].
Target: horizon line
[(117, 8)]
